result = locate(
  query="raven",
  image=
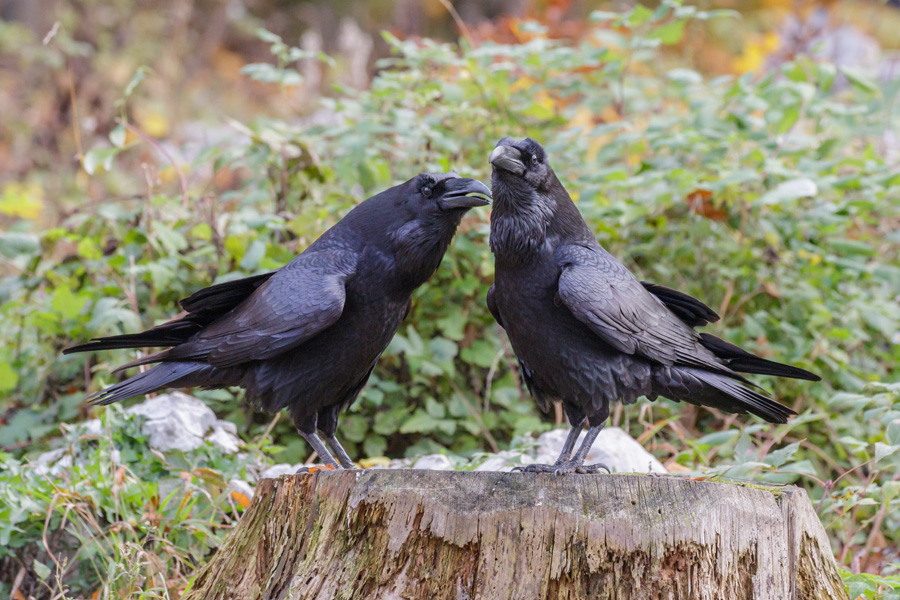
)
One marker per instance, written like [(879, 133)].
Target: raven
[(585, 331), (307, 336)]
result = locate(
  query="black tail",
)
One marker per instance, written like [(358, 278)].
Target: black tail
[(203, 308), (743, 362), (165, 375), (164, 336), (732, 396)]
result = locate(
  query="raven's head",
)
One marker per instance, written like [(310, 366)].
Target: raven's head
[(427, 209), (522, 164), (530, 203)]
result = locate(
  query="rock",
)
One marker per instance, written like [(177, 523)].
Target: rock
[(613, 447), (506, 460), (174, 421), (241, 487), (433, 462), (278, 470)]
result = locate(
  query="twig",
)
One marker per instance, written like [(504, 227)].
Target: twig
[(463, 28), (164, 152), (78, 149), (484, 430)]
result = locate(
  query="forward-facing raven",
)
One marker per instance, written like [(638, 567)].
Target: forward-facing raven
[(586, 332), (307, 336)]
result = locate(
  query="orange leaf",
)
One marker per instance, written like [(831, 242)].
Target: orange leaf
[(241, 499)]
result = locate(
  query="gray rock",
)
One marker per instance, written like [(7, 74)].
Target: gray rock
[(505, 461), (278, 470), (174, 421), (613, 447), (433, 462)]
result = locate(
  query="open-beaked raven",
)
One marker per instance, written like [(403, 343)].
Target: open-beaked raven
[(585, 330), (307, 336)]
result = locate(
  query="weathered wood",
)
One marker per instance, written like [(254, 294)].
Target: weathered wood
[(392, 534)]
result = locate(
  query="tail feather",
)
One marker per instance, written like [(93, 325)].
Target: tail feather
[(203, 307), (164, 336), (739, 398), (742, 361), (173, 374)]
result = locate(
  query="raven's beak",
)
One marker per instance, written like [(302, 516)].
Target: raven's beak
[(461, 192), (508, 158)]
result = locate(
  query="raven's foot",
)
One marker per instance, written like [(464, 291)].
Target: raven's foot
[(592, 469), (538, 468), (564, 468), (312, 469)]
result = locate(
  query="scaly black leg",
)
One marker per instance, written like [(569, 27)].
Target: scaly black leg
[(320, 449), (339, 452), (564, 455)]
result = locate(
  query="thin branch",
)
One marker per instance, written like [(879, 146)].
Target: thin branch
[(164, 152)]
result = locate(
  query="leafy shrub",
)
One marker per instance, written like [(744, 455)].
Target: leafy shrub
[(770, 197)]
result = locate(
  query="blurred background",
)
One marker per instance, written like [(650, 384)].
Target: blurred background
[(745, 152)]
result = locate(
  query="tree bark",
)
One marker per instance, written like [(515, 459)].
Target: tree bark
[(392, 534)]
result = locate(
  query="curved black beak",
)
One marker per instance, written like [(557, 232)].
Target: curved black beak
[(461, 192), (508, 158)]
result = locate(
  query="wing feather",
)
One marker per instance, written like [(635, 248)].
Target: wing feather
[(295, 304), (604, 295)]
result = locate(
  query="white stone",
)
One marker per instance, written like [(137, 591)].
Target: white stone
[(505, 461), (241, 487), (433, 462), (174, 421), (278, 470), (613, 447)]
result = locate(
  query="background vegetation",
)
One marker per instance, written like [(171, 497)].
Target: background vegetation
[(750, 171)]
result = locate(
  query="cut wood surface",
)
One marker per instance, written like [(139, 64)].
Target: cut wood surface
[(408, 534)]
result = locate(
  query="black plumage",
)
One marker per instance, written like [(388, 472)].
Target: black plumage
[(586, 332), (307, 336)]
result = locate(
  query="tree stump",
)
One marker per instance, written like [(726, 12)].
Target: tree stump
[(407, 534)]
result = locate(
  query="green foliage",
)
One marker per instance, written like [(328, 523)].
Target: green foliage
[(113, 514), (768, 196)]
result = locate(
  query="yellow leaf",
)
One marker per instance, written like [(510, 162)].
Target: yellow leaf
[(23, 200), (375, 461), (755, 52), (154, 124)]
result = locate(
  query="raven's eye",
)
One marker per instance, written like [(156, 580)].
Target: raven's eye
[(426, 191), (534, 159)]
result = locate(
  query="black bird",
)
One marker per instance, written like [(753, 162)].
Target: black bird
[(307, 336), (586, 332)]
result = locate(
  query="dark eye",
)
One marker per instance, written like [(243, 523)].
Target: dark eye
[(426, 191), (534, 159)]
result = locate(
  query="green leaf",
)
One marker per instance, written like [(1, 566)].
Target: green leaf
[(99, 157), (639, 15), (419, 422), (66, 303), (8, 377), (882, 451), (480, 353), (860, 80), (41, 570), (787, 191), (117, 136), (783, 455), (892, 433), (670, 33)]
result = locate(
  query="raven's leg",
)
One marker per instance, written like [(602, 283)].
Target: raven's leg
[(578, 459), (564, 455), (339, 452), (327, 422), (317, 445)]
